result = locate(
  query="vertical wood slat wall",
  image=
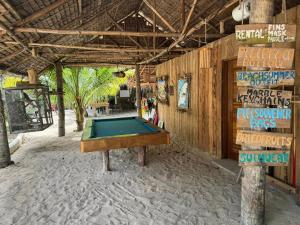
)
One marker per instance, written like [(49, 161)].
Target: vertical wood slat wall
[(201, 126)]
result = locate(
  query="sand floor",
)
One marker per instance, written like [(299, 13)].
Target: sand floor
[(53, 183)]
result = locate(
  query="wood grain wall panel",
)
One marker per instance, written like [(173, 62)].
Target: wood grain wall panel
[(201, 126)]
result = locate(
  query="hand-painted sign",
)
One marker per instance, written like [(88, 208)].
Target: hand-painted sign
[(266, 139), (266, 57), (265, 78), (263, 118), (264, 96), (265, 33), (268, 158)]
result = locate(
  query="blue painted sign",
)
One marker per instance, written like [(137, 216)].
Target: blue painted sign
[(263, 118), (265, 78)]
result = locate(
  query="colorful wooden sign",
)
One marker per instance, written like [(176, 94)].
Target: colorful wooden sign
[(268, 158), (265, 33), (265, 139), (264, 96), (266, 57), (265, 78), (263, 118)]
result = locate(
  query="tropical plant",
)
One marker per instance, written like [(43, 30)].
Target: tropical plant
[(83, 86)]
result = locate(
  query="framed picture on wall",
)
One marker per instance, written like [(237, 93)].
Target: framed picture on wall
[(162, 89), (183, 92)]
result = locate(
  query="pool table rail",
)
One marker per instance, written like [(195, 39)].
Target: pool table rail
[(89, 144)]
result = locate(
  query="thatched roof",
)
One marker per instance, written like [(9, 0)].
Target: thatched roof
[(37, 33)]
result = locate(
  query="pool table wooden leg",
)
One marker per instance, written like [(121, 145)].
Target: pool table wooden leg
[(106, 166), (142, 156)]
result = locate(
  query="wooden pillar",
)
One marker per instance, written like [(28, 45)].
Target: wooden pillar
[(297, 109), (142, 156), (60, 99), (138, 90), (4, 147), (254, 179), (32, 76), (106, 164)]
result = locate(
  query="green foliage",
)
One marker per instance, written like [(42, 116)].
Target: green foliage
[(87, 83), (10, 81)]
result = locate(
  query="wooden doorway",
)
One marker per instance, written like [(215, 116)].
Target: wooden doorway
[(229, 108)]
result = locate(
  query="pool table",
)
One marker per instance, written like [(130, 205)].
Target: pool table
[(130, 132)]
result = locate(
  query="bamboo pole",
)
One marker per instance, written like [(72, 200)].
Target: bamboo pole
[(105, 33), (254, 180), (5, 159), (115, 50), (60, 100), (189, 17), (138, 90), (171, 28)]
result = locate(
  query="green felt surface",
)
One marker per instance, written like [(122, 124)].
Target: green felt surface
[(120, 126)]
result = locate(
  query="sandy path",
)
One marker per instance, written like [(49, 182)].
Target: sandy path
[(53, 183)]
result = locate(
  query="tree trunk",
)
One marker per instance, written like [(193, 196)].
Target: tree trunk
[(79, 118), (5, 159), (254, 180), (60, 100)]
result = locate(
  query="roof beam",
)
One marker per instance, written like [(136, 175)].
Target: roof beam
[(189, 16), (120, 50), (19, 41), (188, 33), (39, 14), (106, 33), (171, 28)]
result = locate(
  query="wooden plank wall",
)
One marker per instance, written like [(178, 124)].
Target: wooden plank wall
[(201, 126)]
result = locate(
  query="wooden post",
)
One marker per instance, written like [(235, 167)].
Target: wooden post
[(296, 178), (142, 156), (32, 76), (138, 90), (222, 29), (106, 164), (254, 180), (60, 100), (5, 159)]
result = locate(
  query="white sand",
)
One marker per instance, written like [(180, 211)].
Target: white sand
[(53, 183)]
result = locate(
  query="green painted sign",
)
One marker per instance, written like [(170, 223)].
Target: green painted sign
[(268, 158)]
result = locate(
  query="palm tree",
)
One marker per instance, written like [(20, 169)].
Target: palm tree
[(83, 86), (5, 159)]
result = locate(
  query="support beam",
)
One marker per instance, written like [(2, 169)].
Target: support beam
[(171, 28), (141, 155), (106, 163), (106, 33), (254, 179), (138, 90), (41, 13), (60, 99), (5, 159), (118, 50), (32, 76)]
